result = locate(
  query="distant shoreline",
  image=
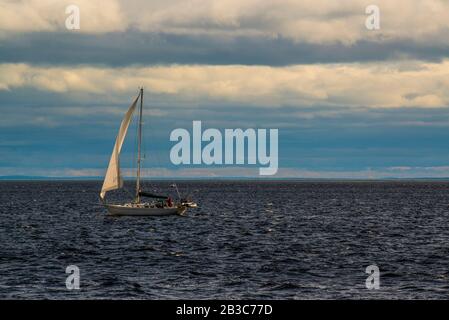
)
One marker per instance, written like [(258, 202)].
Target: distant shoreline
[(43, 178)]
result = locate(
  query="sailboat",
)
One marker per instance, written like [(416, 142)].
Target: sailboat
[(163, 205)]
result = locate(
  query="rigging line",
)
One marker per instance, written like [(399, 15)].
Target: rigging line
[(136, 142), (128, 192), (147, 144), (155, 156), (143, 147)]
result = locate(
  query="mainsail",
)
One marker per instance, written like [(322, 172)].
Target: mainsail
[(113, 179)]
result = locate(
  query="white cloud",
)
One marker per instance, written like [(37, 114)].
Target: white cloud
[(416, 84), (316, 21), (49, 15)]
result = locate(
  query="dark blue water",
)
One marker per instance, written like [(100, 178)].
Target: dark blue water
[(273, 240)]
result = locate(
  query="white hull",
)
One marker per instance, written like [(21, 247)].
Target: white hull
[(124, 210)]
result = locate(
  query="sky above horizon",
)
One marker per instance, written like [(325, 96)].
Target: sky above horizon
[(348, 102)]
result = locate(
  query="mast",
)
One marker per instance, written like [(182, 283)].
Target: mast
[(139, 147)]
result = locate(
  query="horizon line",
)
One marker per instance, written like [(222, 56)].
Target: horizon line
[(240, 178)]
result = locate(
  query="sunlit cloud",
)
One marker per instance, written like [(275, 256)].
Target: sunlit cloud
[(314, 21), (49, 15), (411, 84)]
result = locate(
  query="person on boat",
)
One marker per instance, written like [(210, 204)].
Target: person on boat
[(169, 202)]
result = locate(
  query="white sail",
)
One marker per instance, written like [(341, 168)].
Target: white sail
[(113, 179)]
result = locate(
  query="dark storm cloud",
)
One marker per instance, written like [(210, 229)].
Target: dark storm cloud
[(42, 131), (133, 47)]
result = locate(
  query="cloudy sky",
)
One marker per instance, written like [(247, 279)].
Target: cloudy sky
[(348, 102)]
